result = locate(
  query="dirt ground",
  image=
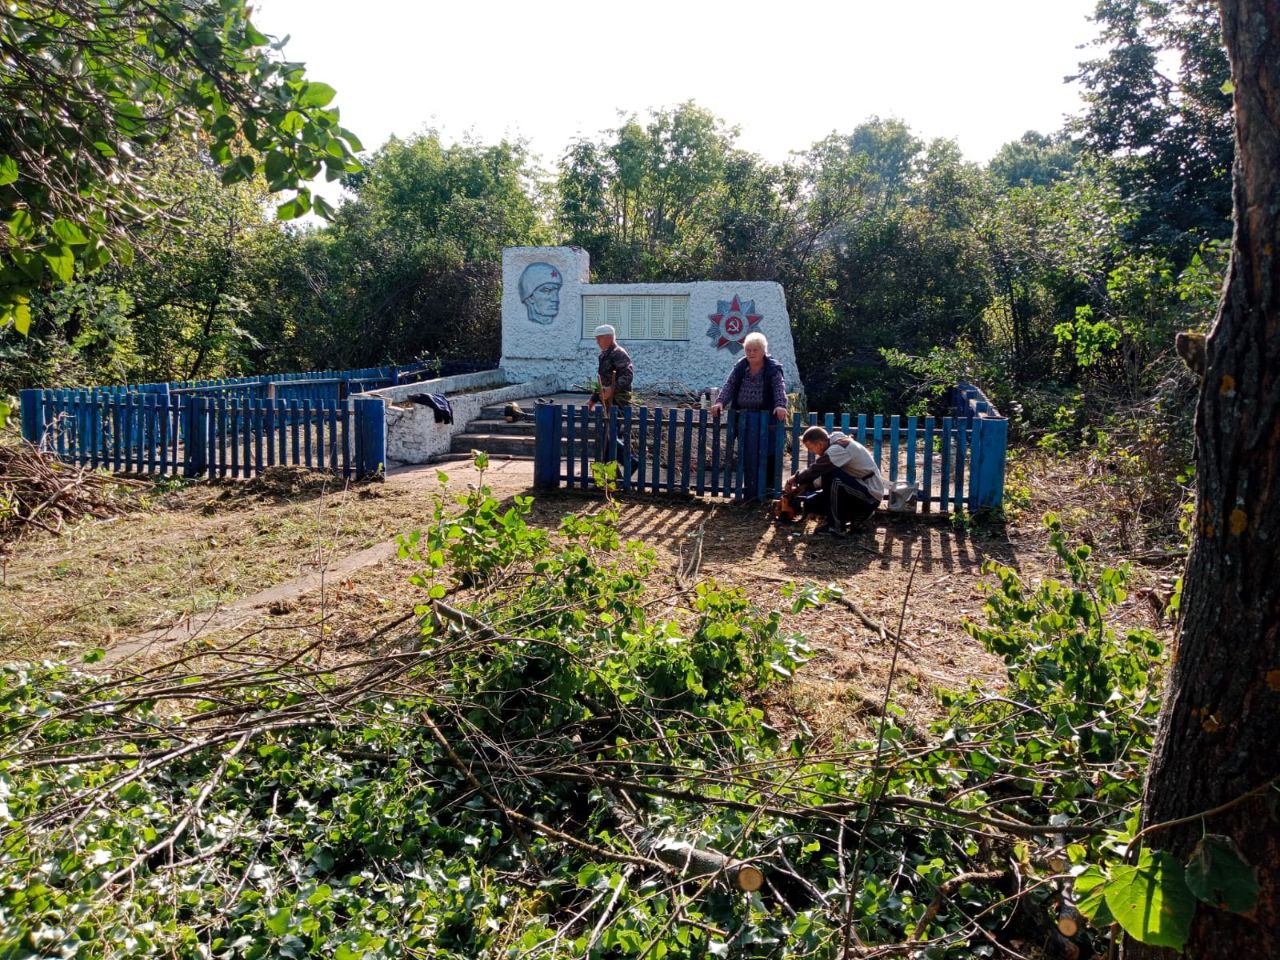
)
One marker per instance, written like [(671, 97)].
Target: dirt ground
[(290, 557)]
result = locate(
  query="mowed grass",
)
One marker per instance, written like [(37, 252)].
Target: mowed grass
[(186, 551)]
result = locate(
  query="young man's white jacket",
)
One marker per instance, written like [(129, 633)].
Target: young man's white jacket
[(856, 460)]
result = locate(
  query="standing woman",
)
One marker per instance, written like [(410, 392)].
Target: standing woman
[(755, 382)]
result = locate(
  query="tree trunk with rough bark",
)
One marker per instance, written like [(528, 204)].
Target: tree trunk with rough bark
[(1219, 735)]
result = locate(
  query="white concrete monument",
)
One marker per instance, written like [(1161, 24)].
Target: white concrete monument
[(681, 336)]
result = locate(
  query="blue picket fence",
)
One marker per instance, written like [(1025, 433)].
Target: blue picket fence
[(232, 427), (200, 435), (311, 385), (955, 463)]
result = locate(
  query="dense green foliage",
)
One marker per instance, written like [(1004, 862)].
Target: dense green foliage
[(90, 86), (410, 265)]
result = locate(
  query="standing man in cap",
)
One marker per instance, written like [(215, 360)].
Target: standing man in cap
[(615, 375), (614, 369)]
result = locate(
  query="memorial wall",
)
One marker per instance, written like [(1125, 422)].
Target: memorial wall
[(681, 336)]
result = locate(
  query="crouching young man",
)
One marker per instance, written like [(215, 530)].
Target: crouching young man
[(843, 485)]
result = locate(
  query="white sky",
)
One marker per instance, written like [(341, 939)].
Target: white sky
[(787, 73)]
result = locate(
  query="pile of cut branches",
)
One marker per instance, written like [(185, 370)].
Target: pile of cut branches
[(40, 492), (531, 765)]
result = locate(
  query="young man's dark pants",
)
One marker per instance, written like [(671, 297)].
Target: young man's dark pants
[(842, 501)]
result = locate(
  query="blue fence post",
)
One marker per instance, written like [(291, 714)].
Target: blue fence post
[(748, 456), (546, 445), (990, 440), (195, 429), (31, 401), (371, 436)]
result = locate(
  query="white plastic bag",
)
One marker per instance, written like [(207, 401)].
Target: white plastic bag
[(902, 496)]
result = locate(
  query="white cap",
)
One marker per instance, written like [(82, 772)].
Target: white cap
[(605, 330)]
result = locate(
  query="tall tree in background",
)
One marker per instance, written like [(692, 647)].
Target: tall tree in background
[(191, 282), (904, 263), (645, 202), (1169, 135), (1216, 747)]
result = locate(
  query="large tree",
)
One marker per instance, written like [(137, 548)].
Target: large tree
[(1216, 769), (90, 88)]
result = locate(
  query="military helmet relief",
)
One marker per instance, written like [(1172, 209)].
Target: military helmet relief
[(540, 291)]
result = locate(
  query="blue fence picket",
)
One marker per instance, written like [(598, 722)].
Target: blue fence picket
[(584, 448), (701, 487), (371, 436), (59, 433), (686, 457), (642, 467), (117, 444), (716, 430), (127, 436), (195, 437), (255, 428), (94, 429), (228, 449), (741, 454), (627, 461), (150, 431), (233, 419), (674, 447), (894, 427), (761, 454), (911, 450), (344, 414), (652, 446), (987, 462), (307, 431), (730, 488), (322, 438), (570, 437), (162, 434), (927, 479), (328, 414), (294, 410), (30, 403), (944, 467)]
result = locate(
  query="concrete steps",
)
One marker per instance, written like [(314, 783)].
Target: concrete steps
[(495, 443), (485, 425), (491, 433)]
